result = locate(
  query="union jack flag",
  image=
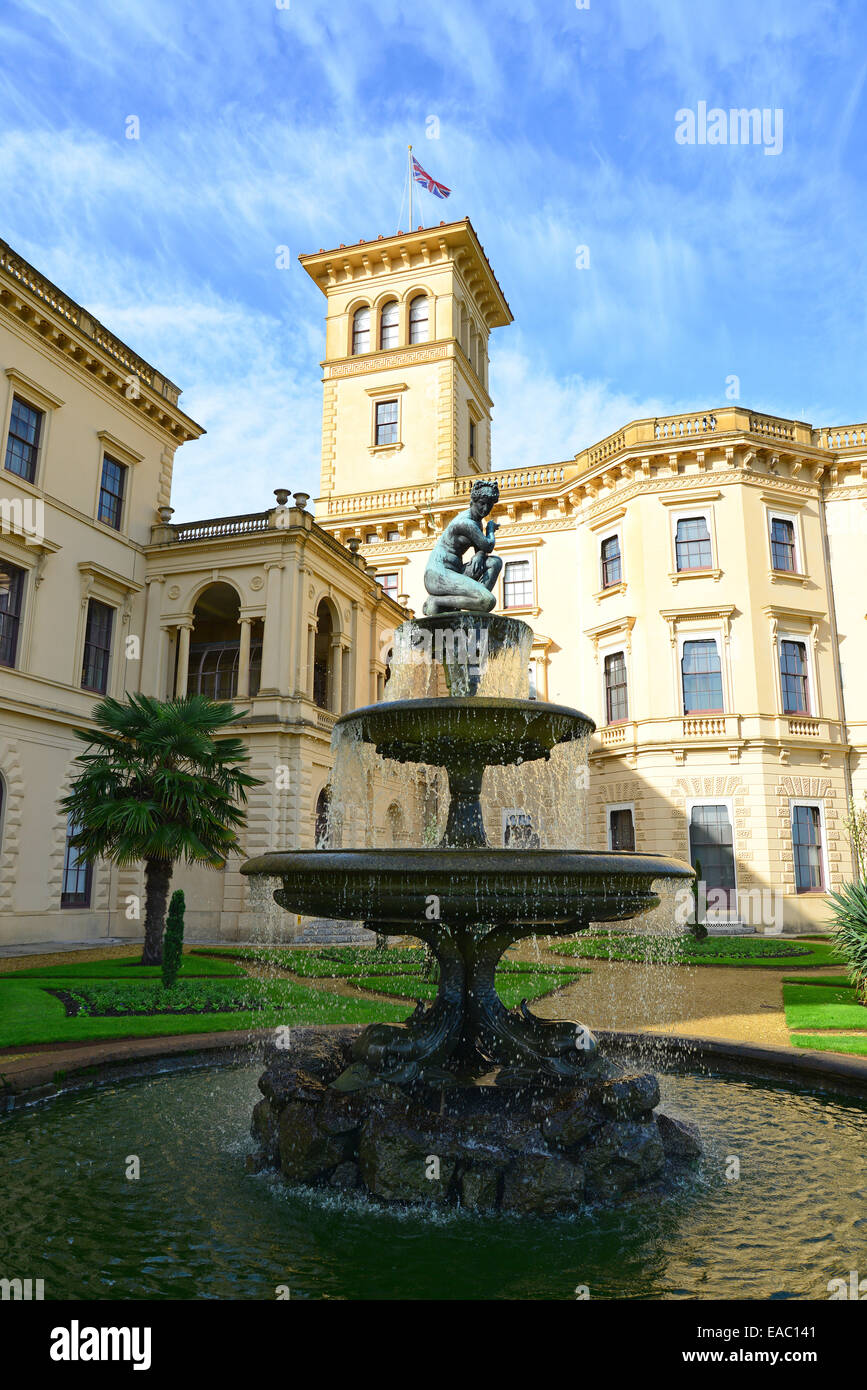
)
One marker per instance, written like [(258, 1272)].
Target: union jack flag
[(439, 190)]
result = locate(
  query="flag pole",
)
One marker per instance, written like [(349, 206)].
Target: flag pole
[(409, 165)]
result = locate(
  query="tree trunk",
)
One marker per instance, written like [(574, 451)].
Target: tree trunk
[(158, 877)]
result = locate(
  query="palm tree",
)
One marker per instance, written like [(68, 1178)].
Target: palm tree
[(157, 784)]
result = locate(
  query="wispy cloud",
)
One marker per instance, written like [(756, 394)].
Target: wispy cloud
[(263, 127)]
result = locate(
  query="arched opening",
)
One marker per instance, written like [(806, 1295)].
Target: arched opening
[(419, 319), (215, 647), (323, 670), (320, 829), (389, 324), (361, 330), (396, 826)]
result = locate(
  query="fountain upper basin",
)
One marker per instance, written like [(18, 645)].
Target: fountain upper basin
[(478, 886), (495, 731)]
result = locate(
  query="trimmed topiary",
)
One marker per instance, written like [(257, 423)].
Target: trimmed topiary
[(173, 941)]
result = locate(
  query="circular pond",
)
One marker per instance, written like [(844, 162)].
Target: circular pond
[(195, 1225)]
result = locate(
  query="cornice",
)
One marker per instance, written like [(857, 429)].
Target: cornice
[(32, 302)]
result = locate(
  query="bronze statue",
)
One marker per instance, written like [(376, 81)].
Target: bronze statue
[(455, 587)]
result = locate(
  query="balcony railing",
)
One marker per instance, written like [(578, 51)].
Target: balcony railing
[(219, 526)]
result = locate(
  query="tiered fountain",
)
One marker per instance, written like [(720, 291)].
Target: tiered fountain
[(467, 1101)]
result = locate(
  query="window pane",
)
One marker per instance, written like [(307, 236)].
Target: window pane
[(111, 492), (622, 830), (518, 584), (22, 445), (793, 675), (389, 583), (702, 676), (783, 544), (610, 562), (11, 608), (711, 846), (361, 330), (97, 647), (419, 319), (616, 702), (389, 325), (807, 846), (77, 875), (692, 544), (386, 422)]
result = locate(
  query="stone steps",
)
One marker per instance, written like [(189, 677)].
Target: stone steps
[(328, 931)]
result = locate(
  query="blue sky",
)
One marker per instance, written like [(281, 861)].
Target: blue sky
[(263, 127)]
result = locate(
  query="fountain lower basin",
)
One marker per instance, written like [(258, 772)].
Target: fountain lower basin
[(392, 889)]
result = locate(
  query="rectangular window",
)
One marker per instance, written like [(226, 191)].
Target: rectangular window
[(97, 647), (702, 677), (11, 608), (472, 439), (807, 846), (793, 675), (611, 567), (616, 701), (22, 445), (389, 583), (621, 829), (77, 875), (111, 490), (517, 584), (711, 848), (692, 544), (386, 422), (783, 544)]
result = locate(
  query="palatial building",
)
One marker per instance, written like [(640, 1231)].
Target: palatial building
[(695, 584)]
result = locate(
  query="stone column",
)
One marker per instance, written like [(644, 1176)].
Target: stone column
[(345, 677), (184, 630), (244, 660), (271, 635), (311, 657), (153, 646), (335, 667)]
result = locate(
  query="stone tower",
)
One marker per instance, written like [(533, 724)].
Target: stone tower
[(405, 374)]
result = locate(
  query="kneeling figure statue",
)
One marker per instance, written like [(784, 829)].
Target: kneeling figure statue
[(455, 587)]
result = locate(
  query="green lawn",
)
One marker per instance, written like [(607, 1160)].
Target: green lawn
[(855, 1044), (211, 984), (823, 1003), (823, 1006), (125, 967), (753, 952)]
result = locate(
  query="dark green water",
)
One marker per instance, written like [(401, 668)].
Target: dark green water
[(195, 1226)]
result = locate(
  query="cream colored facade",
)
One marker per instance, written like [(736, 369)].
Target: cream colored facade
[(749, 760), (286, 613), (265, 606)]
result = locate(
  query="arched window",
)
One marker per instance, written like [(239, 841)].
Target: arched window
[(389, 325), (396, 825), (323, 802), (419, 319), (361, 330)]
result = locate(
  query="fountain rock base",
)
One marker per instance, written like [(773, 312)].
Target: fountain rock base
[(505, 1140)]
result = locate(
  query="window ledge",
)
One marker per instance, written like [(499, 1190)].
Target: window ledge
[(609, 590), (530, 609), (789, 576), (676, 575), (385, 448)]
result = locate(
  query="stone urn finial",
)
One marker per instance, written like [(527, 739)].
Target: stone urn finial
[(282, 495), (354, 544), (301, 499), (165, 514)]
